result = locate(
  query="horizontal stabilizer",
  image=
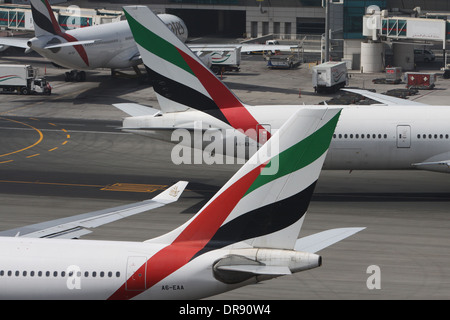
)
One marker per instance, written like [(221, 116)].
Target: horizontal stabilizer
[(258, 269), (136, 57), (168, 129), (68, 44), (321, 240), (384, 99), (137, 110), (14, 42)]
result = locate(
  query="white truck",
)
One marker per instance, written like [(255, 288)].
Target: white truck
[(330, 76), (22, 79), (226, 59), (222, 57)]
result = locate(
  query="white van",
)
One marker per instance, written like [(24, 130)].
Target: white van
[(423, 55)]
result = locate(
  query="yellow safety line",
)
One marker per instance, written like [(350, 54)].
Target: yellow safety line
[(33, 155), (41, 136)]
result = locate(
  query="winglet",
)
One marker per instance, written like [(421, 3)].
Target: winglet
[(171, 194)]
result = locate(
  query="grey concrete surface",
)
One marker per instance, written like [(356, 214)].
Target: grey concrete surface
[(405, 212)]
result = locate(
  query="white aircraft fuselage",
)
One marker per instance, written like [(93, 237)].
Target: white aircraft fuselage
[(366, 138), (97, 270), (114, 47), (391, 137)]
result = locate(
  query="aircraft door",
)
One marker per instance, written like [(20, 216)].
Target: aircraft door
[(403, 136), (136, 274)]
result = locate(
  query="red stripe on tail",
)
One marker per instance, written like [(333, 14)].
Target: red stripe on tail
[(230, 106), (193, 238)]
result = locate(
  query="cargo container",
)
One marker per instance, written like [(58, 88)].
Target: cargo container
[(394, 75), (330, 76), (419, 80)]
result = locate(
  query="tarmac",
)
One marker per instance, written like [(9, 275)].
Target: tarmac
[(84, 163)]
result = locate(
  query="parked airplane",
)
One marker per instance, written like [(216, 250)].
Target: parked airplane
[(246, 233), (108, 45), (400, 134)]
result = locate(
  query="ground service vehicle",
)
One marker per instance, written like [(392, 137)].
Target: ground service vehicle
[(423, 55), (283, 61), (22, 79), (329, 76)]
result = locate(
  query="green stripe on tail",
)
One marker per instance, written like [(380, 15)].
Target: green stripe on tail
[(156, 45), (316, 144)]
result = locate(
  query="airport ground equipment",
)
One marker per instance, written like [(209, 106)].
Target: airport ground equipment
[(394, 75), (220, 58), (329, 76), (420, 80), (226, 59), (22, 79), (283, 61)]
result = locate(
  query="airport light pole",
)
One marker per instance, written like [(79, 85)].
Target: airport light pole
[(326, 4)]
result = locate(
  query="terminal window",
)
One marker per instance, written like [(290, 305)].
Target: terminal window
[(354, 11)]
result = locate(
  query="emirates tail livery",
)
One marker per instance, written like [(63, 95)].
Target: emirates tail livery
[(109, 45), (246, 233), (399, 134)]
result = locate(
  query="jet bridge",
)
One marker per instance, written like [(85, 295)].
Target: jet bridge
[(403, 33), (19, 17)]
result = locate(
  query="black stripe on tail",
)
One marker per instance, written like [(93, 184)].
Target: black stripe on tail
[(184, 95), (42, 21), (262, 221)]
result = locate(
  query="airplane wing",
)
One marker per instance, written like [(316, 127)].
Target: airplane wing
[(321, 240), (443, 163), (384, 99), (244, 48), (14, 42), (248, 48), (77, 226), (213, 47), (436, 166)]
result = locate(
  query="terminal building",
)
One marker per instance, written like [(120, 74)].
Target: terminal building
[(352, 36)]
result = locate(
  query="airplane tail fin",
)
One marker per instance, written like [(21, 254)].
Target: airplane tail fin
[(180, 78), (44, 19), (263, 205)]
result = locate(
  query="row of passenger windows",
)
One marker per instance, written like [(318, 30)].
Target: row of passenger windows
[(360, 136), (93, 274), (433, 136), (384, 136)]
